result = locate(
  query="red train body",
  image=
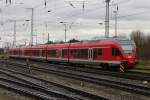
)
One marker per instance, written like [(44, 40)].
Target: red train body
[(106, 53)]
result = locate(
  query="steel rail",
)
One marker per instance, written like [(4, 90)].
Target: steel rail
[(24, 88), (128, 75), (68, 88), (119, 85)]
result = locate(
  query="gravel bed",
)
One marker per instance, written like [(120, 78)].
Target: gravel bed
[(111, 93)]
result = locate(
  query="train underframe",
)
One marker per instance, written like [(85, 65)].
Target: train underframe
[(120, 66)]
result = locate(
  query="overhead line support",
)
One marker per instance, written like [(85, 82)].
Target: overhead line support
[(107, 19)]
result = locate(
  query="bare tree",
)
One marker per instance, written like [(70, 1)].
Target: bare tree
[(142, 43)]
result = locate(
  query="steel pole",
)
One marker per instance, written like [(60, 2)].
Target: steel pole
[(14, 40), (65, 31), (116, 24), (32, 25), (107, 19)]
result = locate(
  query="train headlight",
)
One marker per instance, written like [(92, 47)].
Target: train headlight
[(145, 82), (129, 57)]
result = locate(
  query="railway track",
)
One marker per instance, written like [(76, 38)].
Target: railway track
[(118, 83), (128, 75), (63, 92), (30, 90)]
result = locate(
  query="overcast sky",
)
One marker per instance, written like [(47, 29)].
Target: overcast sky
[(81, 23)]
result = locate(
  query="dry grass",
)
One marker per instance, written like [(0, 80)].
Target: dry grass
[(145, 64)]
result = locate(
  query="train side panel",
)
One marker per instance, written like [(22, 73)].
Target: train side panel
[(96, 53)]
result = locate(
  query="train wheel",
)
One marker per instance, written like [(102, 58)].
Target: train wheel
[(122, 68)]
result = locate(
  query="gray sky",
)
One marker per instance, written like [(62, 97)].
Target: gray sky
[(81, 23)]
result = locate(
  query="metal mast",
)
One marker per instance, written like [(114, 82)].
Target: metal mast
[(48, 38), (116, 20), (65, 24), (65, 31), (31, 37), (36, 35), (116, 24), (107, 19), (14, 39)]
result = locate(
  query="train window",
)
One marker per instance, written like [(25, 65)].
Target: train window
[(28, 52), (64, 52), (84, 53), (20, 52), (1, 51), (10, 52), (74, 53), (13, 52), (43, 52), (97, 52), (16, 52), (52, 53), (36, 52), (79, 53), (25, 52), (59, 52), (115, 52)]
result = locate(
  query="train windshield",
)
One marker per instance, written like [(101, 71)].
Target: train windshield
[(128, 46)]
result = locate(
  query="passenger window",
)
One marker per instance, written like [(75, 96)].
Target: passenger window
[(97, 52), (52, 53), (43, 52), (115, 52), (79, 53), (36, 52), (64, 52)]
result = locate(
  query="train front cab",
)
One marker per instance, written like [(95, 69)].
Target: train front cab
[(125, 60), (129, 54), (114, 59)]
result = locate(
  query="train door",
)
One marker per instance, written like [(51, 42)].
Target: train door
[(40, 53), (90, 54)]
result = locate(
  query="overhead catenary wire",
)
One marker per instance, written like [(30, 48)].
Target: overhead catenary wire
[(68, 16), (76, 15), (87, 12)]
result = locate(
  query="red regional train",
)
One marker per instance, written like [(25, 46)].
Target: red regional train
[(110, 53)]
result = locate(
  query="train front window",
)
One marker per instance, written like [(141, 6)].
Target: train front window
[(127, 48)]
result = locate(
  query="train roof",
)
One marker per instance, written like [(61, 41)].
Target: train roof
[(72, 45), (120, 40), (98, 41), (83, 43)]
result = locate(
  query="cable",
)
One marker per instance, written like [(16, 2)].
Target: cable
[(134, 14)]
